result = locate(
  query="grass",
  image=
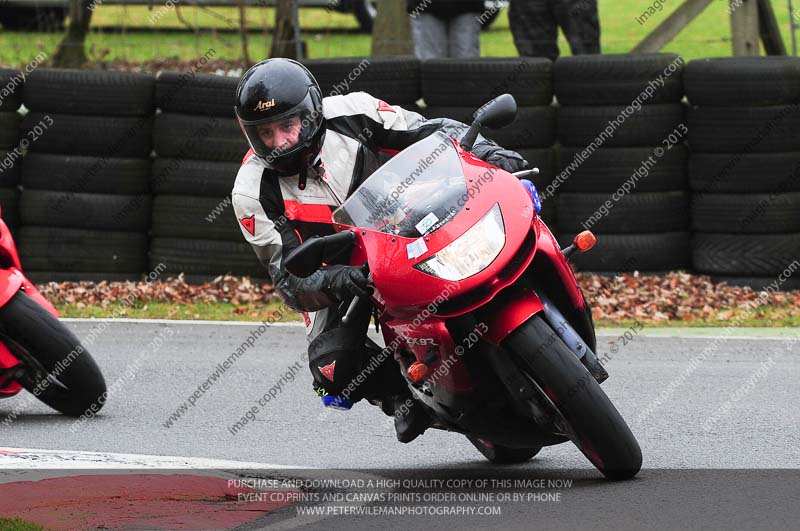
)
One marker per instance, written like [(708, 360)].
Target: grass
[(766, 316), (781, 322), (274, 311), (707, 36), (16, 524)]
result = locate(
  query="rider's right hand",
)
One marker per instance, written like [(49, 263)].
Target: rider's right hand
[(343, 282)]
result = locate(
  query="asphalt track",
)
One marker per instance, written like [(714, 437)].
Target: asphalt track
[(716, 418)]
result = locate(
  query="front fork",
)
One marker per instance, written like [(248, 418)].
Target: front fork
[(572, 339)]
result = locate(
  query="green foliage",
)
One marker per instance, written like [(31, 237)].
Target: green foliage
[(332, 34), (16, 524)]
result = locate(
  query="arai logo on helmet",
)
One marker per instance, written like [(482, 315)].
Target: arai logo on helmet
[(264, 105)]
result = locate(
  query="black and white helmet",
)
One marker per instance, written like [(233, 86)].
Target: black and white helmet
[(277, 91)]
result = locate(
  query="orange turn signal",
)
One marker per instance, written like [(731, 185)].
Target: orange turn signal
[(417, 372), (585, 241)]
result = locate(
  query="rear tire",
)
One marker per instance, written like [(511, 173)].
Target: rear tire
[(503, 455), (596, 427), (39, 338)]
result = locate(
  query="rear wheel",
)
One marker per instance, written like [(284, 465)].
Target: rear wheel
[(584, 412), (58, 370), (503, 455)]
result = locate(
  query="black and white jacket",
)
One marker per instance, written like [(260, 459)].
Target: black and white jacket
[(275, 216)]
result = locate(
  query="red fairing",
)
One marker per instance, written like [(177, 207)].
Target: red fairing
[(10, 282), (7, 360), (7, 246), (423, 339), (392, 269), (547, 244), (517, 306)]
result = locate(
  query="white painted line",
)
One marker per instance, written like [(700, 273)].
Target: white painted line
[(179, 321), (707, 333), (29, 464), (36, 458), (727, 338)]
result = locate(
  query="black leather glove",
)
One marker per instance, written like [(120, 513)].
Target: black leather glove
[(343, 282), (507, 160)]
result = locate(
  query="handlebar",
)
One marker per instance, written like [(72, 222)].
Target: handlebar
[(524, 173)]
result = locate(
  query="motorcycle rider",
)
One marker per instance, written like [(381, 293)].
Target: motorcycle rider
[(307, 155)]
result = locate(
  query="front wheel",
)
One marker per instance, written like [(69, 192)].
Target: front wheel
[(58, 370), (583, 411), (503, 455)]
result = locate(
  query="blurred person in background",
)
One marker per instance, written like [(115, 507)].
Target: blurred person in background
[(446, 28), (534, 25)]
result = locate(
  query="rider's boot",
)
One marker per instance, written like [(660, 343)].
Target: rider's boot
[(410, 417)]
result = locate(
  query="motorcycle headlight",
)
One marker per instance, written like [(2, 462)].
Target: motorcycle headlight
[(472, 252)]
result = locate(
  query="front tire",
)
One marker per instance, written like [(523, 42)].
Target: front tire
[(591, 420), (49, 351), (503, 455)]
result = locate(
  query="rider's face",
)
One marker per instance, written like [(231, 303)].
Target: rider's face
[(284, 133)]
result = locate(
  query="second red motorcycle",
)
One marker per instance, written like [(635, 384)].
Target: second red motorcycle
[(37, 352)]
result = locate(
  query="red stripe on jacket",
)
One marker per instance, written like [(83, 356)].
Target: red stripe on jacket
[(297, 211)]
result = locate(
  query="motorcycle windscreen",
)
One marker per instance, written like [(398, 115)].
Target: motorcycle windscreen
[(416, 192)]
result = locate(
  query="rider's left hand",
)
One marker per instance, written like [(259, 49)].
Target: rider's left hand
[(508, 160)]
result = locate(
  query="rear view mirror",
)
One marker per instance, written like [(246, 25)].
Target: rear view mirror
[(497, 113)]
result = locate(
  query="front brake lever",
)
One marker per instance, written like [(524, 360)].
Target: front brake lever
[(356, 299), (525, 173)]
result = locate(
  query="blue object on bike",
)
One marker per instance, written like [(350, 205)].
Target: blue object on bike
[(531, 188), (337, 402)]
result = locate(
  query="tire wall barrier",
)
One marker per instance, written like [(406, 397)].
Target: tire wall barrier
[(744, 168), (673, 165), (622, 160)]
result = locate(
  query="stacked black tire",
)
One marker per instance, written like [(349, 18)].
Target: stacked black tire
[(646, 227), (199, 150), (745, 166), (396, 80), (10, 151), (455, 88), (85, 208)]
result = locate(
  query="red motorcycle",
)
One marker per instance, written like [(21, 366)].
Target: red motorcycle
[(477, 302), (37, 352)]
